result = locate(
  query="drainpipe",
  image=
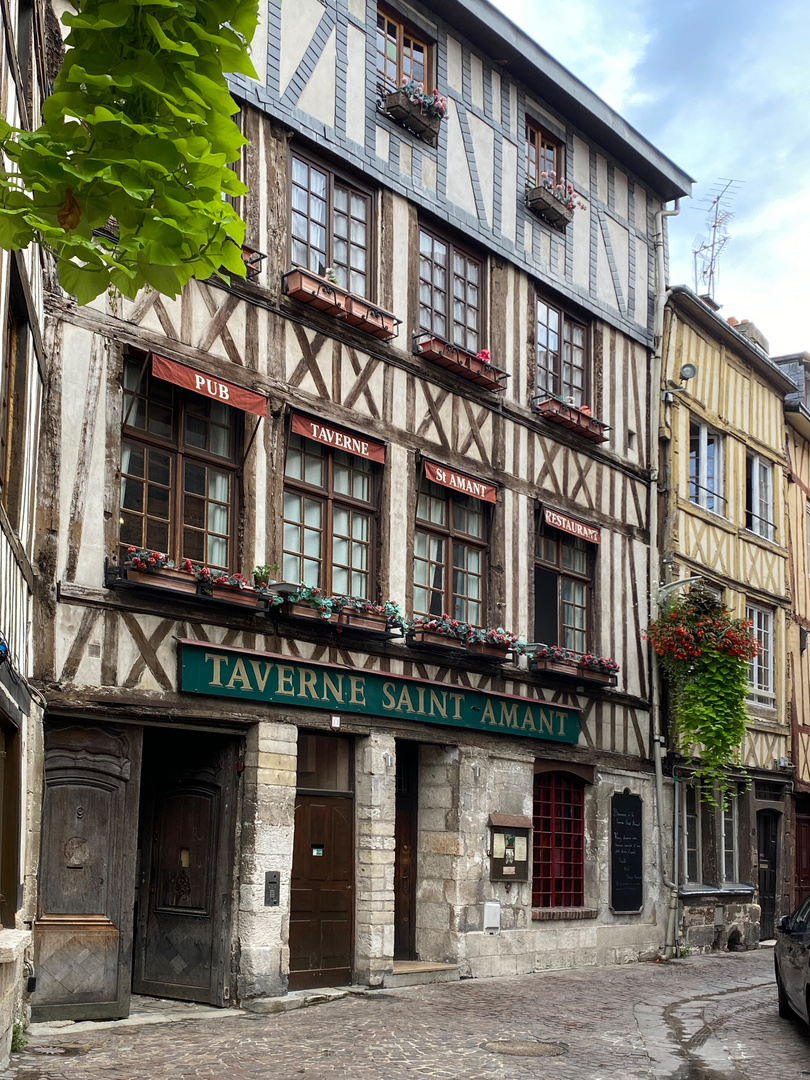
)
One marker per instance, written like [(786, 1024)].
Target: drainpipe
[(661, 296)]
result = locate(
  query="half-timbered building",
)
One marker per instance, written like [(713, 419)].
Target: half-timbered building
[(432, 389), (797, 415), (724, 521), (22, 378)]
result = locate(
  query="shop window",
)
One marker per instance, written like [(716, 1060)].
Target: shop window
[(559, 841), (760, 670), (543, 153), (705, 467), (691, 826), (450, 554), (330, 518), (178, 471), (759, 496), (563, 575), (14, 399), (401, 55), (562, 354), (450, 291), (330, 225)]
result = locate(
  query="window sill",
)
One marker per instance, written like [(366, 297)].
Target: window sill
[(560, 914), (571, 417)]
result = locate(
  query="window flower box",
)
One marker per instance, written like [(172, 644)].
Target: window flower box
[(232, 594), (567, 668), (476, 369), (412, 115), (371, 319), (316, 291), (596, 678), (353, 618), (575, 419), (434, 640), (299, 609), (253, 259), (497, 653), (547, 206), (166, 579)]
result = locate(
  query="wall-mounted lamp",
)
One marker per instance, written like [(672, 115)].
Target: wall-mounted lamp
[(476, 771), (688, 371), (335, 723), (388, 759)]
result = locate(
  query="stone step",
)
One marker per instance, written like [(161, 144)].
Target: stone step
[(420, 973)]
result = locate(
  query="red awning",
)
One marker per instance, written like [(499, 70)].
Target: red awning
[(360, 445), (571, 525), (208, 386), (479, 489)]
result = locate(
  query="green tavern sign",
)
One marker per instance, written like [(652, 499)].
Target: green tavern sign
[(256, 676)]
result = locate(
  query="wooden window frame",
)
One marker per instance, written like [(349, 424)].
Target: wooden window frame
[(181, 452), (404, 29), (466, 252), (330, 499), (729, 820), (554, 384), (761, 671), (558, 797), (700, 493), (762, 526), (535, 157), (688, 876), (449, 534), (565, 573), (333, 177)]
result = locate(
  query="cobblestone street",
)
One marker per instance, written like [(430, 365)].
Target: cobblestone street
[(702, 1018)]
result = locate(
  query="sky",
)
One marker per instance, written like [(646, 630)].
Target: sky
[(722, 88)]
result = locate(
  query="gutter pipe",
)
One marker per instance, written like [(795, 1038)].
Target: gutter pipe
[(661, 297)]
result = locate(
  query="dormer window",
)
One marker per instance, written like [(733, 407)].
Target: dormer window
[(543, 153), (400, 54)]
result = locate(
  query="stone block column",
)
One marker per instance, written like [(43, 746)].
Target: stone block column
[(375, 810), (438, 858), (268, 818)]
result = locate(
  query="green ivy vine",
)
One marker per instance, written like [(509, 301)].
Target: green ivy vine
[(124, 180), (704, 655)]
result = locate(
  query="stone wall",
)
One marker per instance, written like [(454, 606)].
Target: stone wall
[(375, 764), (13, 944)]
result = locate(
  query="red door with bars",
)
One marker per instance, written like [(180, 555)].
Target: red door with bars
[(559, 841)]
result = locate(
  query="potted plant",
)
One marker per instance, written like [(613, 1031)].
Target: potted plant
[(494, 644), (554, 659), (307, 602), (577, 418), (704, 654), (156, 570), (553, 199), (357, 613), (414, 108), (441, 631), (599, 669), (475, 367), (225, 587)]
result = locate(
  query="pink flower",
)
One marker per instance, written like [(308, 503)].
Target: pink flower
[(484, 355)]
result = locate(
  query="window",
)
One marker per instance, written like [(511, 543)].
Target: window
[(562, 580), (559, 841), (400, 55), (330, 508), (729, 842), (561, 354), (449, 555), (759, 496), (450, 294), (705, 467), (331, 219), (760, 670), (178, 471), (14, 399), (807, 533), (543, 154), (692, 825)]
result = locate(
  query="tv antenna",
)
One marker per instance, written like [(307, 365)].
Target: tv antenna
[(706, 250)]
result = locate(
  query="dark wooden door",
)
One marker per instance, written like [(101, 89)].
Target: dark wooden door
[(767, 847), (802, 878), (83, 932), (321, 906), (182, 932), (405, 851)]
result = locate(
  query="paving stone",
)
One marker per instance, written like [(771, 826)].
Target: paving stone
[(702, 1018)]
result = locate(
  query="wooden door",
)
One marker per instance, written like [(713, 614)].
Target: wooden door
[(321, 907), (768, 847), (183, 923), (405, 851), (83, 932), (802, 878)]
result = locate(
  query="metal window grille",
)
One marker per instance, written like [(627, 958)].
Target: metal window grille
[(559, 841)]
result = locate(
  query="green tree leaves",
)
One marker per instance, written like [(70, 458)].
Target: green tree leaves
[(126, 178)]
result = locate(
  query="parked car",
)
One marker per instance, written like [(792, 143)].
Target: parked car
[(792, 962)]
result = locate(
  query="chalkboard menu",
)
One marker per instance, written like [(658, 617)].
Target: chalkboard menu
[(626, 865)]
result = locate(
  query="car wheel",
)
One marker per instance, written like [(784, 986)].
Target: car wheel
[(784, 1005)]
